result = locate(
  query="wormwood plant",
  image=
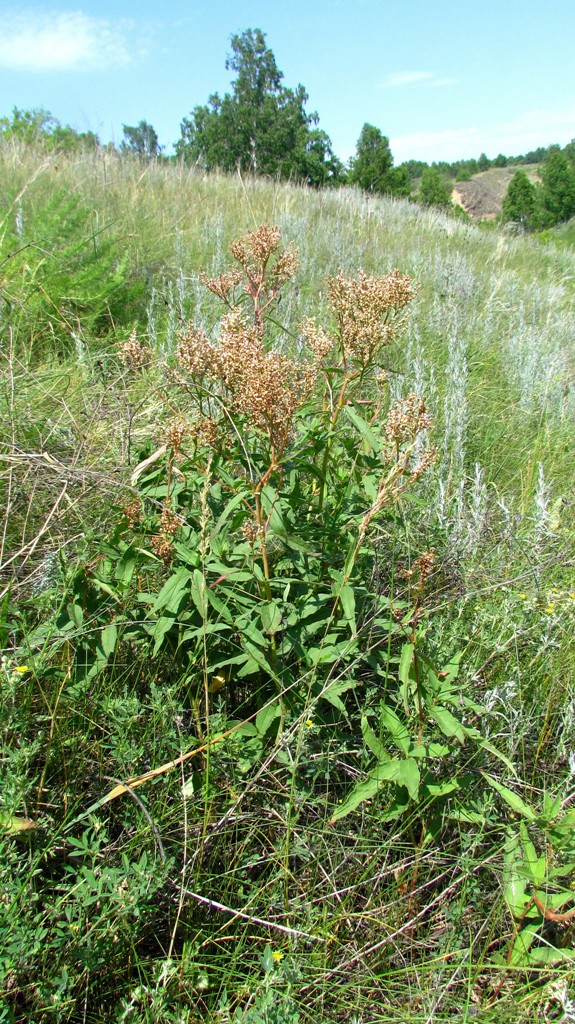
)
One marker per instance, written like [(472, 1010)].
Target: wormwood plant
[(251, 541)]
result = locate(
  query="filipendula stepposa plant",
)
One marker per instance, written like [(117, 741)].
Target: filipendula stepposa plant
[(246, 559)]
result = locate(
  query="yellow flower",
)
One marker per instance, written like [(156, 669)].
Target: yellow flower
[(21, 669), (277, 955), (523, 596), (550, 608), (309, 723)]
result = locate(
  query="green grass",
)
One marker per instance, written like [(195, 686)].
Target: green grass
[(161, 905)]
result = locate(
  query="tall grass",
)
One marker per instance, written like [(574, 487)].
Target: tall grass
[(223, 892)]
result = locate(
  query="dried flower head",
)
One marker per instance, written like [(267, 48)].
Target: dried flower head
[(256, 248), (318, 340), (174, 434), (169, 521), (205, 432), (424, 564), (367, 311), (195, 352), (406, 419), (224, 285), (250, 530), (133, 512), (163, 548), (133, 354)]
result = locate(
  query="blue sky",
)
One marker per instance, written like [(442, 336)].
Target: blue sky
[(442, 79)]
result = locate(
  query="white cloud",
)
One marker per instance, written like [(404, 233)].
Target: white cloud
[(398, 79), (527, 131), (64, 41)]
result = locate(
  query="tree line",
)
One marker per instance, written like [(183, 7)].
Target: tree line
[(263, 127)]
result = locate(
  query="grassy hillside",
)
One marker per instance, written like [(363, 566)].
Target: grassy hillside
[(376, 823)]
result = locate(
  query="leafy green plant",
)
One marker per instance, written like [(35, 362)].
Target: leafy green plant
[(252, 537), (537, 878)]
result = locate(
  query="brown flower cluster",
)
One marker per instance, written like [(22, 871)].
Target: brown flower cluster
[(255, 252), (205, 432), (318, 340), (223, 286), (162, 544), (406, 419), (133, 354), (174, 435), (195, 352), (133, 512), (265, 387), (368, 311)]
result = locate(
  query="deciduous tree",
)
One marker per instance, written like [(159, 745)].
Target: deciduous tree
[(262, 127)]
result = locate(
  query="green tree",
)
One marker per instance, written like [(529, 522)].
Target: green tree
[(373, 161), (558, 187), (262, 127), (141, 141), (433, 190), (38, 126), (520, 200), (372, 167)]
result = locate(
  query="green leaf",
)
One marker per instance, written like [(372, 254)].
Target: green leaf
[(198, 592), (11, 825), (372, 741), (266, 717), (109, 639), (159, 630), (511, 799), (409, 777), (535, 867), (366, 790), (347, 598), (523, 942), (271, 503), (514, 886), (366, 432), (405, 673), (232, 505), (436, 790), (332, 692), (397, 729), (271, 616), (171, 594), (448, 723), (76, 615), (126, 565)]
